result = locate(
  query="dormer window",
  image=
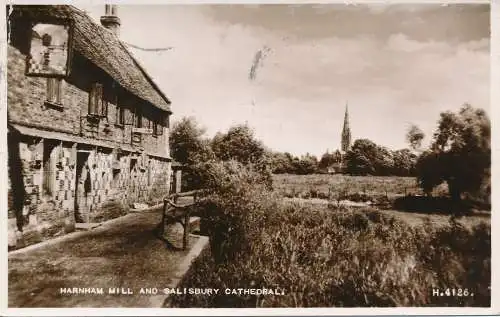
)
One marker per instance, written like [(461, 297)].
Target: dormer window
[(98, 107)]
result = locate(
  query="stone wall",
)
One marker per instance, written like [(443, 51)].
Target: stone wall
[(43, 169), (26, 105)]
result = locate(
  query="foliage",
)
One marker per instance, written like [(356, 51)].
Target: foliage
[(282, 163), (189, 148), (238, 143), (460, 154), (234, 203), (307, 164), (415, 137), (404, 162), (329, 159), (334, 257), (187, 145)]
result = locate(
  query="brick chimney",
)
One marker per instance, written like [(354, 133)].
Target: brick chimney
[(110, 19)]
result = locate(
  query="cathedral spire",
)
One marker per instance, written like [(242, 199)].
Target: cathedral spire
[(346, 132)]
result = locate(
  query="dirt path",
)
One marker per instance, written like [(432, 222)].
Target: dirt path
[(125, 255)]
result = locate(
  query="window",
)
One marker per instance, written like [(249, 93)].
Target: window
[(120, 115), (157, 128), (97, 105), (54, 91), (138, 118)]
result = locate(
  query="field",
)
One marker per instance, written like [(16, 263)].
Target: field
[(382, 191), (335, 255), (323, 184)]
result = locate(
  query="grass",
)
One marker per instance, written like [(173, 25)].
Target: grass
[(125, 255), (324, 185), (380, 190), (332, 255), (339, 257)]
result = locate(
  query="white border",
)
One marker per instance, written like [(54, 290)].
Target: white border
[(495, 115)]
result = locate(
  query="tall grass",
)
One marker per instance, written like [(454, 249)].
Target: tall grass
[(334, 257)]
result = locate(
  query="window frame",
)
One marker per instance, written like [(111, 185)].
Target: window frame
[(120, 113), (54, 91), (97, 106), (138, 118)]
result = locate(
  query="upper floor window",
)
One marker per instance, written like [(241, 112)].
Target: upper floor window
[(157, 128), (138, 118), (120, 115), (54, 90), (97, 105)]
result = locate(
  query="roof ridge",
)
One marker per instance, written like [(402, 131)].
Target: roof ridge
[(143, 70), (134, 59), (107, 52)]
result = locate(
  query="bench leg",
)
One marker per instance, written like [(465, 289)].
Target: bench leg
[(186, 232)]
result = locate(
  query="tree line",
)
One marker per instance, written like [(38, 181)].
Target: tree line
[(459, 154)]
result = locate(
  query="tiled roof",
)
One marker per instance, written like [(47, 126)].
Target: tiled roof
[(100, 46)]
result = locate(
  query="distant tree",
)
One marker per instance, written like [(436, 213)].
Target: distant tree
[(414, 137), (360, 157), (367, 158), (281, 163), (238, 143), (307, 164), (329, 159), (460, 154), (404, 162)]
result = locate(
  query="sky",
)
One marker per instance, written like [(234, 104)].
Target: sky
[(394, 65)]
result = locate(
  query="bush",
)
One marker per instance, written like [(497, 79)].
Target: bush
[(335, 257)]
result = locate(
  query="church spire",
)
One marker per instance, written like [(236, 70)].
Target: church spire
[(346, 132)]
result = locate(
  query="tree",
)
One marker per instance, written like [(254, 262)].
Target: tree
[(404, 162), (460, 154), (281, 163), (187, 145), (240, 144), (189, 148), (307, 164), (415, 137), (329, 159), (367, 158)]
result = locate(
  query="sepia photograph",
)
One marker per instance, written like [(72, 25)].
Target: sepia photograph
[(248, 155)]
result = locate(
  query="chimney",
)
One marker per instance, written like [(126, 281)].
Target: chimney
[(110, 19)]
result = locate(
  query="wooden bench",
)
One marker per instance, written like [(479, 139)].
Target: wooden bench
[(173, 214)]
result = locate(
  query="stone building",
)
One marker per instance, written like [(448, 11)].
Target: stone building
[(84, 146)]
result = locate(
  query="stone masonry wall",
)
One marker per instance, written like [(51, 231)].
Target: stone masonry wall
[(26, 105), (118, 178)]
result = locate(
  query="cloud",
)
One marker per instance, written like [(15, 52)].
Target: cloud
[(391, 70)]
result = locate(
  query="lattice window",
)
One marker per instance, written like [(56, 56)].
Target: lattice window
[(54, 90), (138, 118), (120, 114), (97, 105)]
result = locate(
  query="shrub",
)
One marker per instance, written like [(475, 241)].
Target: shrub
[(324, 257)]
